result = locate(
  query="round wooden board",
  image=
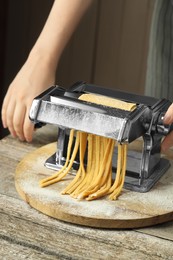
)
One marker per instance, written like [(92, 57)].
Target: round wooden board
[(131, 210)]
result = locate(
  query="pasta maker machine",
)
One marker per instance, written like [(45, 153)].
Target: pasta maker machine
[(63, 108)]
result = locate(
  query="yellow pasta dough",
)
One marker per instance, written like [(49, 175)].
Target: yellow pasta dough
[(95, 179), (107, 101)]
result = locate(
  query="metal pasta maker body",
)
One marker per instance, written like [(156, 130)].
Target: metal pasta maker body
[(63, 108)]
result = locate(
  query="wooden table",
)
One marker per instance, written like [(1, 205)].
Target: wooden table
[(27, 234)]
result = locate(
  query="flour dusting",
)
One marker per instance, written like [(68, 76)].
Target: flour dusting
[(130, 205)]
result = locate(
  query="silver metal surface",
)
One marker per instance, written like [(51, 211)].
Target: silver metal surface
[(104, 122), (60, 145), (65, 110)]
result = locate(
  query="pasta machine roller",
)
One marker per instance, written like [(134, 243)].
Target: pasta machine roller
[(63, 108)]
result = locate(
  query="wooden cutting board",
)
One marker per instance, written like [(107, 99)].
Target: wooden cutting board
[(131, 210)]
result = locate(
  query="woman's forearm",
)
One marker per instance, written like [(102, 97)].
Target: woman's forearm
[(38, 72), (61, 23)]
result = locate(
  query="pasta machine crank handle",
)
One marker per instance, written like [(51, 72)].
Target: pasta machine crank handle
[(150, 154), (146, 154), (152, 143)]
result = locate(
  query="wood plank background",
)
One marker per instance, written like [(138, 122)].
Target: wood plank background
[(114, 51)]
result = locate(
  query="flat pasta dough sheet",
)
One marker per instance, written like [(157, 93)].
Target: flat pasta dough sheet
[(107, 101)]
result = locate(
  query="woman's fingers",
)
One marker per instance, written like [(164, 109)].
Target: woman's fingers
[(3, 116), (18, 120), (168, 118), (10, 108), (28, 127), (4, 110), (15, 117), (25, 87)]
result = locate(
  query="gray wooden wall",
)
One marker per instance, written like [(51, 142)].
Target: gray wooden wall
[(110, 46)]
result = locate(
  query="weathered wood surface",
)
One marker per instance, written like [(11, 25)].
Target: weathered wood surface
[(27, 234), (131, 210)]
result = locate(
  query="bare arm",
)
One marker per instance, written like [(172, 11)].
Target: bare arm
[(61, 23), (38, 72)]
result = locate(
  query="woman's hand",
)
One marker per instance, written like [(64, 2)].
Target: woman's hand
[(38, 73), (168, 119), (34, 77)]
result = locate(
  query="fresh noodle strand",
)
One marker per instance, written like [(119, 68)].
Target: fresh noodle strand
[(118, 173), (95, 185), (91, 166), (67, 160), (81, 171), (64, 173), (116, 193), (104, 189)]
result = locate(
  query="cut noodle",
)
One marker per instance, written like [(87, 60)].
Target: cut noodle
[(94, 180)]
